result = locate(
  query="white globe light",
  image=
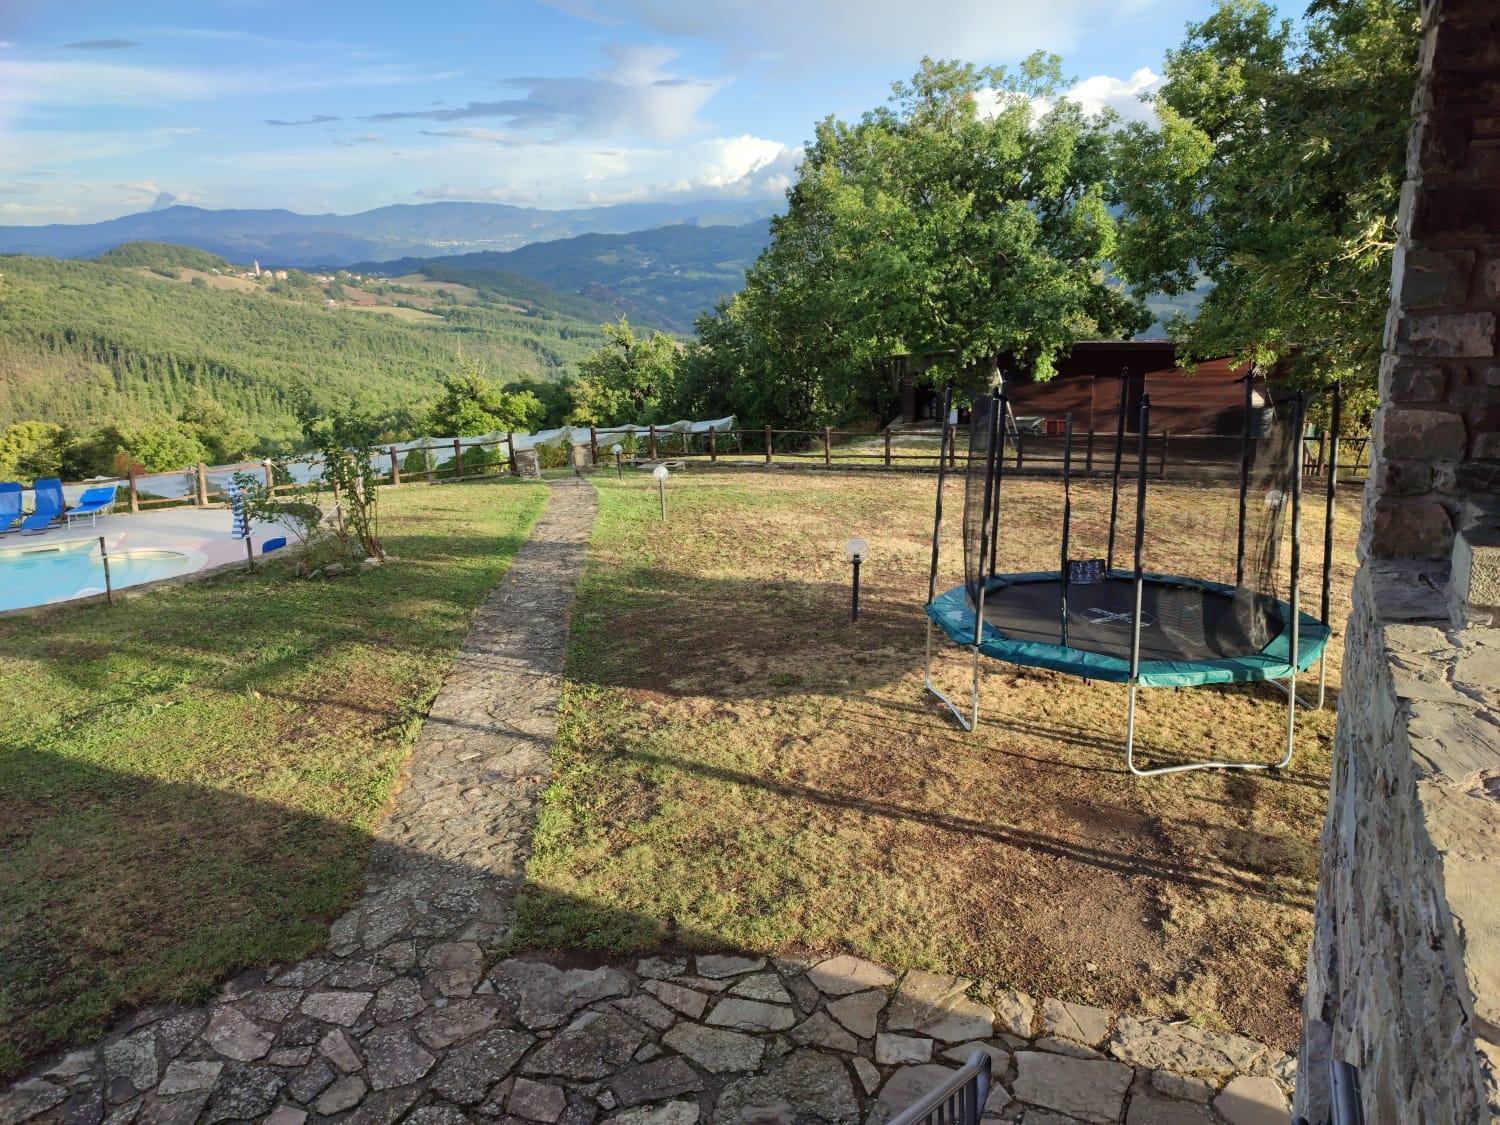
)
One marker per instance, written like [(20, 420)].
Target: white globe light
[(617, 449), (856, 549), (660, 472)]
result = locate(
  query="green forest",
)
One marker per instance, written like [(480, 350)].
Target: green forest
[(89, 344)]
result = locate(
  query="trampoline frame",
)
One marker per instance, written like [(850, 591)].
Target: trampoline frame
[(990, 522)]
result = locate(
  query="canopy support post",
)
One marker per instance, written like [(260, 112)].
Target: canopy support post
[(1003, 406), (1067, 520), (1114, 490), (1239, 554)]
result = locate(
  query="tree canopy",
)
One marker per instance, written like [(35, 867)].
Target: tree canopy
[(471, 405), (965, 219), (1275, 173), (630, 379)]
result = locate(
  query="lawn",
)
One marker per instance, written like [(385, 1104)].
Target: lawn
[(189, 779), (739, 767)]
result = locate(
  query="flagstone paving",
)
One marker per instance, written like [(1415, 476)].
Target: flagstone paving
[(413, 1012)]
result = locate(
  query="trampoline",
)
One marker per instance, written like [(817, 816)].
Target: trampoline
[(1100, 619)]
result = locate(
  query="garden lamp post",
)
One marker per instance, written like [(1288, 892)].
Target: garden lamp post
[(855, 551), (618, 449), (660, 473)]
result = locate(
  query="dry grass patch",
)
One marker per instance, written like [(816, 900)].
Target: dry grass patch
[(739, 767)]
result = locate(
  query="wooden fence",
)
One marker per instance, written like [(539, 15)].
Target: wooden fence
[(1027, 452)]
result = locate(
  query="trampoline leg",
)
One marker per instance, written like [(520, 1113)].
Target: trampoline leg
[(1130, 736), (933, 688), (1322, 676), (974, 722), (1291, 719), (1290, 687)]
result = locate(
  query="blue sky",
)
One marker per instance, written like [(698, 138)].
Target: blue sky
[(109, 107)]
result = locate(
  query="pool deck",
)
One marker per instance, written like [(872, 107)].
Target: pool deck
[(196, 531)]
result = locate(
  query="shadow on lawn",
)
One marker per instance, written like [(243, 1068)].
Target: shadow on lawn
[(686, 635), (1207, 875), (123, 892)]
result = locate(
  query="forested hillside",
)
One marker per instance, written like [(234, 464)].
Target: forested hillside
[(88, 344), (667, 276)]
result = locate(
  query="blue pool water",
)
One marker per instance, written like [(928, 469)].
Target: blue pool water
[(34, 575)]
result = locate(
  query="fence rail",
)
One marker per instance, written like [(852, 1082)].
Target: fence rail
[(478, 458)]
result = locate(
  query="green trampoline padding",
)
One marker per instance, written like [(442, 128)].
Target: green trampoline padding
[(1192, 631)]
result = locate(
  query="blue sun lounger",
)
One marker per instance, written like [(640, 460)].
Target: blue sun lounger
[(49, 506), (10, 505), (93, 503)]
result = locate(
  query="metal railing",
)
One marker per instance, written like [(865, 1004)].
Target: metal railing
[(958, 1100)]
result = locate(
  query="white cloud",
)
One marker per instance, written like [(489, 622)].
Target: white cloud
[(743, 167), (86, 83), (871, 31), (636, 95), (1123, 95), (1094, 94)]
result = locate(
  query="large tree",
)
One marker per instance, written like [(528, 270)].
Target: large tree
[(630, 378), (1274, 172), (965, 219), (471, 405)]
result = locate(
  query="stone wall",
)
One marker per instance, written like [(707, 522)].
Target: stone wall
[(1437, 431), (1404, 977), (1404, 971)]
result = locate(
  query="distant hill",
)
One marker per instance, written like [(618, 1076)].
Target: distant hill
[(89, 342), (162, 256), (665, 276), (286, 238)]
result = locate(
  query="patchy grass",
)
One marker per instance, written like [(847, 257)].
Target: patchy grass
[(189, 779), (740, 767)]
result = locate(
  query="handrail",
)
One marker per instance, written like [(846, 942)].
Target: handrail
[(962, 1095)]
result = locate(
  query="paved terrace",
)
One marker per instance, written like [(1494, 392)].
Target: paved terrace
[(414, 1013)]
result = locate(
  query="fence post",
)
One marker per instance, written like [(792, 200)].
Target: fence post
[(109, 586), (827, 442), (202, 485), (888, 447), (1162, 469), (270, 477), (593, 445), (395, 468), (768, 445), (1020, 450), (428, 461), (1322, 448), (1088, 457), (135, 500), (510, 451), (652, 450), (458, 459), (713, 449)]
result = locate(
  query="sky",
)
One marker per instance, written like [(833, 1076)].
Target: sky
[(108, 108)]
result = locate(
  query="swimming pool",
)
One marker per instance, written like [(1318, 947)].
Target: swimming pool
[(57, 572)]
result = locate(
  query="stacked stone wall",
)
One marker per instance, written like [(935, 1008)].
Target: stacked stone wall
[(1404, 971)]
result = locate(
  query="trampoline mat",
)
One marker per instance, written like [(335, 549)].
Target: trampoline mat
[(1180, 623)]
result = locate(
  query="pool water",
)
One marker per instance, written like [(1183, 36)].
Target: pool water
[(35, 575)]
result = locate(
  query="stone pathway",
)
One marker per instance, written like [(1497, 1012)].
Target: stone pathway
[(413, 1014)]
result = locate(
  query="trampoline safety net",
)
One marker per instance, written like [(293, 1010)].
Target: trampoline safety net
[(1053, 553)]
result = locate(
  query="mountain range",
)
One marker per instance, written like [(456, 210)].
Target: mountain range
[(664, 276), (286, 238)]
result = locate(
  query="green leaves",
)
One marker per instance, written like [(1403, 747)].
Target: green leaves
[(630, 379), (1276, 174), (965, 219)]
